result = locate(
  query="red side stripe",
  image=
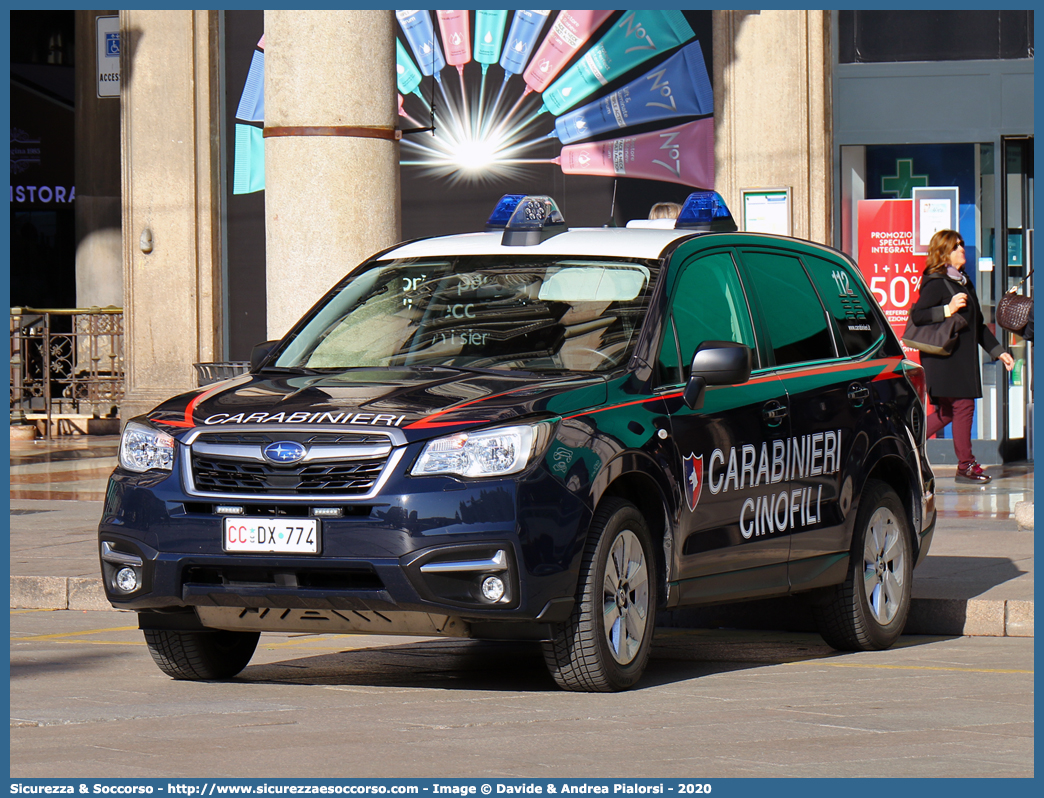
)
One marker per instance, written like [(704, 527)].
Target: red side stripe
[(887, 373), (886, 364), (190, 409), (428, 422), (674, 395)]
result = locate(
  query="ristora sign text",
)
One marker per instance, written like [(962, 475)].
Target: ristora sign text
[(33, 195)]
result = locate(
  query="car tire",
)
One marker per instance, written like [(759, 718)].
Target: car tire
[(867, 612), (201, 656), (605, 644)]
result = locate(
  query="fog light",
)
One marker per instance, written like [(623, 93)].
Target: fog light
[(493, 588), (326, 512), (126, 580)]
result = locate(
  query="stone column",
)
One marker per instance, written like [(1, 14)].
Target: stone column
[(331, 199), (170, 124), (99, 250), (773, 111)]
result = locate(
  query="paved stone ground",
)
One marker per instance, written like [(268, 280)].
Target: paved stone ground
[(87, 701)]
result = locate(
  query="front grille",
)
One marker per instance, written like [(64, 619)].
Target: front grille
[(232, 463), (319, 578), (214, 475), (286, 510)]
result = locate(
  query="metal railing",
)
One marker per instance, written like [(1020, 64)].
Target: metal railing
[(66, 362)]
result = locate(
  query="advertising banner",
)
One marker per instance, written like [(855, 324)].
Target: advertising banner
[(574, 104), (887, 259), (888, 263)]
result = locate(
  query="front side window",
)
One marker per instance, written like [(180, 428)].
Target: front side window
[(708, 305), (535, 314), (794, 318)]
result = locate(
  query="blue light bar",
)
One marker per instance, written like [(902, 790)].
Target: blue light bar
[(705, 211), (526, 220), (502, 213)]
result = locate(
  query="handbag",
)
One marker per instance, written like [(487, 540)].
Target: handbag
[(938, 339), (934, 339), (1013, 309)]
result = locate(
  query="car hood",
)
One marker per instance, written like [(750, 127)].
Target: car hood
[(419, 402)]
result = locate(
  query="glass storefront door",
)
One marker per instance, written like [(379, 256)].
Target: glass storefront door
[(991, 185), (1017, 235)]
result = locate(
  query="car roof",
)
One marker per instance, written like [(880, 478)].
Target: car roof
[(616, 242)]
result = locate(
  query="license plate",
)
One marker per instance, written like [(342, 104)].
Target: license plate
[(272, 535)]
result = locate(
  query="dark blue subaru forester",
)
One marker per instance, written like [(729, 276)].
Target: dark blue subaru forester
[(537, 433)]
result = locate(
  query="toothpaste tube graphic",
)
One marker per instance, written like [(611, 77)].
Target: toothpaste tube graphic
[(407, 76), (489, 37), (570, 31), (252, 100), (248, 173), (680, 86), (637, 37), (455, 27), (420, 34), (525, 27), (682, 154), (406, 116)]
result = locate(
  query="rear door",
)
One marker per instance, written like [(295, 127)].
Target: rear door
[(810, 308), (850, 396)]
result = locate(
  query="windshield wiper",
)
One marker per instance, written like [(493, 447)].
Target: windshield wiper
[(297, 370), (472, 369)]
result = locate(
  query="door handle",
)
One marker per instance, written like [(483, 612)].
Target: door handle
[(858, 394), (774, 413)]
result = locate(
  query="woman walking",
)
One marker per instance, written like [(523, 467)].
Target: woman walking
[(953, 381)]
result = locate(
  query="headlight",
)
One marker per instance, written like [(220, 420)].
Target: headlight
[(487, 453), (144, 448)]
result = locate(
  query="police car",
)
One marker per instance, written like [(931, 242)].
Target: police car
[(537, 433)]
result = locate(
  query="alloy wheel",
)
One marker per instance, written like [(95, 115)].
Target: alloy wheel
[(883, 566), (625, 597)]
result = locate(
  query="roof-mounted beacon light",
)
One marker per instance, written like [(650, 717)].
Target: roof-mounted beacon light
[(706, 212), (526, 220), (505, 207)]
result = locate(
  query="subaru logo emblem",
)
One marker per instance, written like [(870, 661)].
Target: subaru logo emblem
[(284, 452)]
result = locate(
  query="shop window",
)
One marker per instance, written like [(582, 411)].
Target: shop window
[(867, 37)]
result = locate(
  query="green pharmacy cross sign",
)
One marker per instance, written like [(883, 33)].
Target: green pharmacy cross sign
[(903, 182)]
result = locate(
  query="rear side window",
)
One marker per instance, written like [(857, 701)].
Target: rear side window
[(794, 318), (846, 300)]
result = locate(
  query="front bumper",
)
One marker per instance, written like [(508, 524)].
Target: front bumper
[(415, 558)]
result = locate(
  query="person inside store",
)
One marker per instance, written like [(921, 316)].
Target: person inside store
[(953, 381)]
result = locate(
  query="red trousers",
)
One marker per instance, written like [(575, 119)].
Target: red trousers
[(959, 412)]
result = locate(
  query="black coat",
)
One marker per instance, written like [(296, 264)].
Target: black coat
[(955, 376)]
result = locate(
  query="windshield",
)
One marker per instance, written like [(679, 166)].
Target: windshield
[(546, 314)]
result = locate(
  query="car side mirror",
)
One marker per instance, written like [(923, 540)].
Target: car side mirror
[(716, 363), (260, 352)]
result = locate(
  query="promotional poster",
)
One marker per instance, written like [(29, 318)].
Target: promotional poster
[(609, 112), (887, 260)]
